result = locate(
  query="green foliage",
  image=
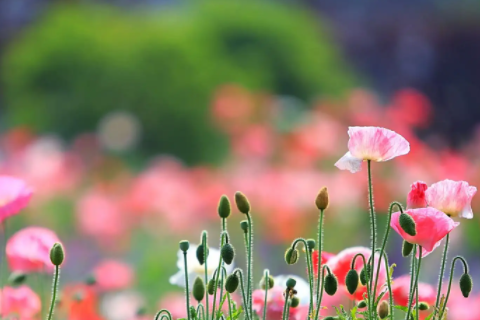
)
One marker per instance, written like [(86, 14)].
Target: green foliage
[(80, 62)]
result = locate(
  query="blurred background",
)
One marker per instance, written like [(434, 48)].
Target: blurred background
[(132, 118)]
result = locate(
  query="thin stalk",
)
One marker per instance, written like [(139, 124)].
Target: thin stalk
[(242, 288), (369, 294), (200, 307), (229, 306), (412, 289), (187, 293), (286, 305), (219, 271), (56, 278), (389, 286), (465, 270), (222, 278), (247, 245), (250, 263), (267, 287), (309, 269), (440, 277), (372, 216), (319, 305), (205, 258), (320, 248), (159, 313)]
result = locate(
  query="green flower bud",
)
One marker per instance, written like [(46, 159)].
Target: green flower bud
[(57, 254), (184, 245), (423, 306), (291, 256), (365, 275), (295, 302), (291, 283), (242, 202), (351, 280), (232, 282), (201, 255), (331, 284), (322, 199), (198, 290), (362, 304), (311, 244), (330, 318), (244, 225), (407, 224), (90, 280), (224, 208), (407, 248), (383, 309), (16, 278), (228, 253), (211, 287), (271, 283), (466, 284)]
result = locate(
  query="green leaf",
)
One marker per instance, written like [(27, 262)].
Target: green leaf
[(404, 309)]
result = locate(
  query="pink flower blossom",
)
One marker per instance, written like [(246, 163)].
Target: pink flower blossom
[(416, 196), (401, 291), (21, 301), (431, 226), (113, 275), (452, 197), (371, 143), (14, 196), (28, 250), (275, 304)]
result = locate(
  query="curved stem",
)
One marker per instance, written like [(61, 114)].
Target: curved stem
[(186, 284), (320, 248), (200, 307), (415, 285), (250, 262), (163, 311), (54, 293), (440, 277), (369, 293), (465, 270), (319, 305), (309, 269), (267, 287), (220, 260), (242, 288)]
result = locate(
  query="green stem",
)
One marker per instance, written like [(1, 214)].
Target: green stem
[(319, 305), (163, 311), (187, 293), (369, 294), (309, 269), (222, 278), (286, 304), (267, 287), (389, 286), (205, 258), (412, 289), (219, 271), (372, 215), (465, 270), (320, 248), (54, 293), (242, 288), (250, 263), (440, 277)]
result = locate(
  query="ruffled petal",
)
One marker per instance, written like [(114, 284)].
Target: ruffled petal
[(349, 162)]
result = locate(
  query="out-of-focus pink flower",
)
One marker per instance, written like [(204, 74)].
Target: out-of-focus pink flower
[(21, 301), (431, 226), (326, 256), (342, 263), (401, 291), (416, 196), (257, 141), (460, 308), (452, 197), (113, 275), (275, 303), (371, 143), (28, 250), (14, 196)]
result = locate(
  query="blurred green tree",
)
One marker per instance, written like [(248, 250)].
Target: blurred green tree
[(78, 63)]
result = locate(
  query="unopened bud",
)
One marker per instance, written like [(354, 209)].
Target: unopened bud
[(228, 253), (466, 284), (423, 306), (407, 224), (242, 202), (201, 254), (244, 225), (271, 283), (362, 304), (365, 275), (232, 282), (16, 278), (90, 280), (383, 309), (311, 244), (184, 245), (331, 284), (351, 280), (57, 254), (211, 287), (407, 248), (291, 283), (198, 290), (291, 256), (295, 302), (224, 208), (322, 199)]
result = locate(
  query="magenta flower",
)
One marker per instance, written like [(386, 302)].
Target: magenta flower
[(454, 198), (14, 196), (416, 196), (21, 303), (431, 226), (28, 250), (371, 143)]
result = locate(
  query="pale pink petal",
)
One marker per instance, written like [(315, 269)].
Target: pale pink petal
[(349, 162), (377, 144), (452, 197), (21, 301), (14, 196), (416, 196), (431, 226)]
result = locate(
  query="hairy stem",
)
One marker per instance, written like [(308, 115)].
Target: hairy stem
[(56, 278), (248, 316), (267, 287), (465, 270), (440, 277), (216, 279), (187, 293), (319, 305), (320, 248), (250, 263), (415, 285), (286, 305), (159, 313)]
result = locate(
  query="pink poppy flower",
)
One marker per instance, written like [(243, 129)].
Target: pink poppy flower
[(21, 301), (113, 275), (326, 256), (14, 196), (371, 143), (342, 263), (28, 250), (416, 196), (401, 291), (431, 226), (452, 197)]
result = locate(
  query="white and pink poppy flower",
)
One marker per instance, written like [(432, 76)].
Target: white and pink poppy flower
[(454, 198)]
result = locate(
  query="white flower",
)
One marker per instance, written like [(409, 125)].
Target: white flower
[(302, 287), (194, 268), (121, 305)]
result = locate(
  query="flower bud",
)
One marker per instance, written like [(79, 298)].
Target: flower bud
[(407, 248), (211, 287), (311, 244), (423, 306), (351, 280), (330, 318), (232, 282), (295, 302), (383, 309), (242, 202), (331, 284), (365, 275), (16, 278), (228, 253), (362, 304), (322, 199), (244, 225), (271, 283), (184, 245), (90, 280), (198, 290), (224, 208), (291, 283), (201, 255), (466, 284), (291, 256), (407, 224), (57, 254)]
